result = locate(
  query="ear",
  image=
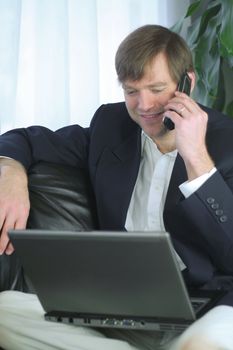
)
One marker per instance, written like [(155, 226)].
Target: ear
[(192, 76)]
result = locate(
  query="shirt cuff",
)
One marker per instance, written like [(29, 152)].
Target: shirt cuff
[(189, 187)]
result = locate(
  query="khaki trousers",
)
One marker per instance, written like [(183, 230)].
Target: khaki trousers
[(22, 327)]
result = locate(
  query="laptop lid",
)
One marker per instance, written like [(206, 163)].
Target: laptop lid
[(102, 278)]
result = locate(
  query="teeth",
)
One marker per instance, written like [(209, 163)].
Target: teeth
[(149, 115)]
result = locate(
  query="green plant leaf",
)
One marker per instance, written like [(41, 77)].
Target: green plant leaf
[(211, 12), (200, 24), (220, 97), (192, 33), (201, 94), (229, 109), (177, 27), (210, 37), (226, 30), (206, 57), (229, 60), (194, 7)]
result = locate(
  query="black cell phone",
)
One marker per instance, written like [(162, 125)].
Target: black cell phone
[(183, 86)]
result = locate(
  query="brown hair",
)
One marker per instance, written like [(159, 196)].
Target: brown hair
[(139, 48)]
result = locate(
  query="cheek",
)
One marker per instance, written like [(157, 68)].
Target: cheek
[(131, 102), (165, 98), (131, 108)]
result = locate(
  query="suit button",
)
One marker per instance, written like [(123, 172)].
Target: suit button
[(223, 218), (215, 206), (210, 200), (219, 212)]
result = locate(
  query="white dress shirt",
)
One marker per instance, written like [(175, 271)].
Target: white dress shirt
[(145, 212)]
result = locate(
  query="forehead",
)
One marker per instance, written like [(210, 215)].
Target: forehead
[(155, 72)]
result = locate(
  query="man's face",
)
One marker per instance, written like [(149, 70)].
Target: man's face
[(145, 98)]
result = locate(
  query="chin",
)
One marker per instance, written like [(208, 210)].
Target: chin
[(155, 132)]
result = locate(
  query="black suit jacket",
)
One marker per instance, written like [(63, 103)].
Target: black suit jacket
[(201, 226)]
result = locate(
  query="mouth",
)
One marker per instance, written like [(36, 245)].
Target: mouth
[(152, 116)]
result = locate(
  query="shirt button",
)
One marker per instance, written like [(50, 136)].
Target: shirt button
[(223, 218), (210, 200)]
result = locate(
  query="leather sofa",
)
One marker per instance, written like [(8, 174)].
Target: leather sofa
[(61, 198)]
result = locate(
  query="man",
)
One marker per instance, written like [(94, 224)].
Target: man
[(145, 176)]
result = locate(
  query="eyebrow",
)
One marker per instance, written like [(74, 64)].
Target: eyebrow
[(153, 85)]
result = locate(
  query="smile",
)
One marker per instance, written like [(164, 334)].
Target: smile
[(151, 116)]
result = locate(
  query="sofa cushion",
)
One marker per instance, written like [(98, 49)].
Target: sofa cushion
[(11, 274)]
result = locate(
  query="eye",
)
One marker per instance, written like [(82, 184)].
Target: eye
[(130, 92), (157, 91)]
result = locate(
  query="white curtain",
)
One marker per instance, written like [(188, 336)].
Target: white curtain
[(57, 56)]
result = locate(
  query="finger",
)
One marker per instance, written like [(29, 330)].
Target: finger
[(174, 116), (178, 108), (4, 239), (182, 109), (2, 219), (20, 224), (184, 97), (9, 249), (10, 222), (188, 110), (181, 94), (186, 100)]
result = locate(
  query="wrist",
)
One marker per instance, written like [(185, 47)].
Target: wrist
[(13, 169), (199, 165)]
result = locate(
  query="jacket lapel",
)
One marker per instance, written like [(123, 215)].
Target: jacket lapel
[(174, 194), (115, 180)]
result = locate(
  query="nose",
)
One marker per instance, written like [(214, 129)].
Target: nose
[(145, 100)]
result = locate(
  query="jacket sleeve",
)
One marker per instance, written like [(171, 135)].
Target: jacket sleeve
[(68, 145), (210, 212), (210, 208), (202, 224)]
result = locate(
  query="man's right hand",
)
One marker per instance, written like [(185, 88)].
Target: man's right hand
[(14, 201)]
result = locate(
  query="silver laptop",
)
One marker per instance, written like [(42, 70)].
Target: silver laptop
[(109, 279)]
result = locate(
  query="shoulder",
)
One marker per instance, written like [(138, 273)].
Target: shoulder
[(217, 119), (111, 128), (112, 111), (219, 137), (113, 118), (219, 124)]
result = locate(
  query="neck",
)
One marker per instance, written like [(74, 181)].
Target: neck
[(166, 143)]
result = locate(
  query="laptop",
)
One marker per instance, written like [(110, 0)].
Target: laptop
[(126, 280)]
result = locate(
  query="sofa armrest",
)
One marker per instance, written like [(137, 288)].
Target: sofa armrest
[(61, 198)]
